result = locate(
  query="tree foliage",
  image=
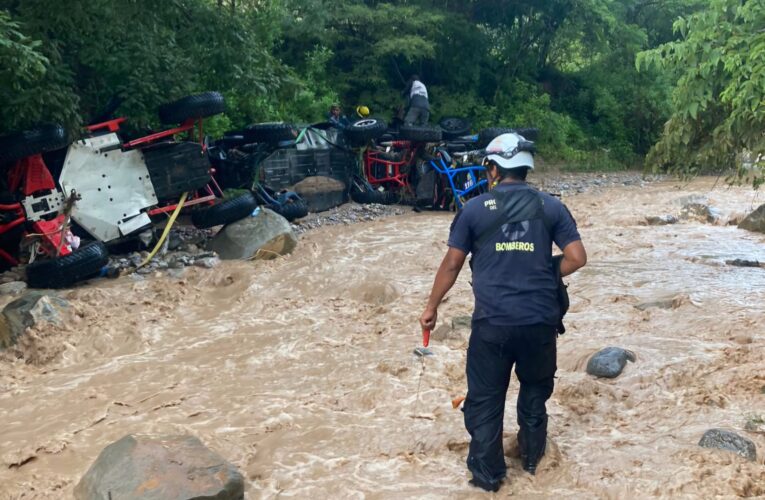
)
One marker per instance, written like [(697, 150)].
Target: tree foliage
[(565, 66), (719, 99)]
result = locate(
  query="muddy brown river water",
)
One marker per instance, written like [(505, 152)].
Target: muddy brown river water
[(300, 370)]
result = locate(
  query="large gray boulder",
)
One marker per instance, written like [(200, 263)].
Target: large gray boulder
[(727, 440), (265, 235), (160, 468), (609, 362), (321, 193), (755, 221), (32, 309)]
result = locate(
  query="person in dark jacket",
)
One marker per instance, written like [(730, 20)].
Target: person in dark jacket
[(509, 233), (417, 98), (337, 118)]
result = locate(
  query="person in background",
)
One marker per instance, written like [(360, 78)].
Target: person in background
[(416, 94), (337, 118), (509, 233)]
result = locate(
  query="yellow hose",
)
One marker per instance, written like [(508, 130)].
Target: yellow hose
[(165, 232)]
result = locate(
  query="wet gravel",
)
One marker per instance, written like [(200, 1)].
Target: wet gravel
[(569, 184), (349, 213)]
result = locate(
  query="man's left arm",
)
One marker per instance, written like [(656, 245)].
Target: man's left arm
[(446, 276)]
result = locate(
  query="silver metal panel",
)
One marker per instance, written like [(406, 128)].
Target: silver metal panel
[(113, 186), (134, 224), (54, 200)]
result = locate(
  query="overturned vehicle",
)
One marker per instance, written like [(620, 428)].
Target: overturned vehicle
[(59, 219)]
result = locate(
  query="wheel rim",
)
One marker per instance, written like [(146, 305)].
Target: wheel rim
[(365, 123)]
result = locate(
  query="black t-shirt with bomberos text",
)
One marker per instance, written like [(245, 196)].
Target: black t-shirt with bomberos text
[(513, 281)]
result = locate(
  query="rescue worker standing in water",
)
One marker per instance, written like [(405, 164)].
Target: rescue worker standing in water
[(509, 233)]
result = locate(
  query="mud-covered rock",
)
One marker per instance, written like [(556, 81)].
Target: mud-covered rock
[(609, 362), (13, 288), (675, 302), (755, 424), (462, 322), (700, 211), (158, 468), (727, 440), (32, 309), (661, 220), (743, 263), (320, 193), (265, 235), (207, 262), (755, 221)]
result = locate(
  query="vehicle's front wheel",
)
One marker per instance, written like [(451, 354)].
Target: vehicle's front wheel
[(193, 106), (61, 272), (224, 212), (14, 147)]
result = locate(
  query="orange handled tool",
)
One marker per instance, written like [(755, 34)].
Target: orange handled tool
[(425, 338)]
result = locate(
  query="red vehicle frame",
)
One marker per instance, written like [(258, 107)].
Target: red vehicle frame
[(395, 173), (31, 176)]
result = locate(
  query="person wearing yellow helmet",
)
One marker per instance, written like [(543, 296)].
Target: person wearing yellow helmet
[(362, 111)]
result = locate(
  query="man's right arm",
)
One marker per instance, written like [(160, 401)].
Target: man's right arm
[(566, 237), (574, 258)]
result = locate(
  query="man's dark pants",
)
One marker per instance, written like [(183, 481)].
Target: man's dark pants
[(491, 354)]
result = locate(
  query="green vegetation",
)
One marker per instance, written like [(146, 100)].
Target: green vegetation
[(719, 100), (565, 66)]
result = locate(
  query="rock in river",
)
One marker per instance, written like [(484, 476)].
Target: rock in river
[(755, 221), (727, 440), (662, 220), (28, 310), (13, 288), (609, 362), (700, 211), (265, 235), (160, 467)]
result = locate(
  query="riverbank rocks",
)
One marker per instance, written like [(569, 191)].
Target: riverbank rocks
[(158, 468), (727, 440), (265, 235), (320, 193), (31, 309), (754, 221), (609, 362)]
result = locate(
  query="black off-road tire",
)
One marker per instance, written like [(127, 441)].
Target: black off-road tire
[(417, 133), (224, 212), (41, 139), (362, 131), (362, 192), (453, 127), (272, 132), (291, 211), (193, 106), (487, 135), (378, 197), (61, 272)]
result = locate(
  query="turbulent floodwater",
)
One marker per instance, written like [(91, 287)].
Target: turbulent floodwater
[(300, 370)]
